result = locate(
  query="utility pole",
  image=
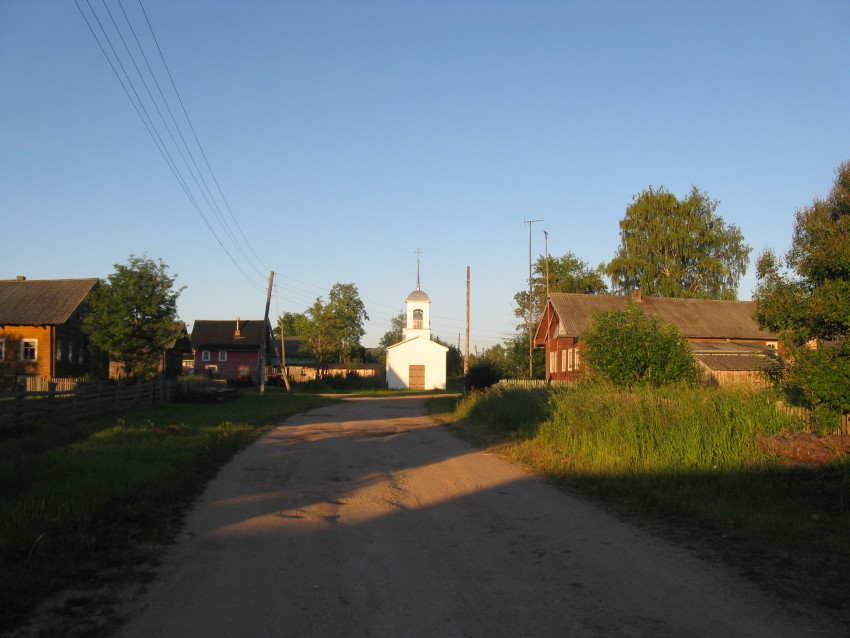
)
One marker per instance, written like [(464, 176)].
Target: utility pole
[(283, 358), (261, 373), (466, 353), (546, 243), (530, 302)]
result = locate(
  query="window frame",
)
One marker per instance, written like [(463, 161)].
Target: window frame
[(205, 355), (222, 356), (2, 348), (33, 345)]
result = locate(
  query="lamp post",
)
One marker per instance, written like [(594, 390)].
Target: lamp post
[(530, 303)]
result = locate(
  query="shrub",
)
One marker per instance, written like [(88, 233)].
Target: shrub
[(628, 348), (481, 376)]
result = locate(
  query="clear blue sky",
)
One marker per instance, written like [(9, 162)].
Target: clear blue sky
[(347, 135)]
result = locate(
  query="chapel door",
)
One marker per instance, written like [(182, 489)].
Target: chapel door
[(417, 377)]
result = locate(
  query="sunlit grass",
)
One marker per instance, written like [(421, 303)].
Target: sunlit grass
[(686, 461)]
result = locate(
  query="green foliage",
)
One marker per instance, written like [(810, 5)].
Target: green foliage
[(294, 324), (332, 330), (566, 274), (812, 301), (133, 315), (672, 247), (481, 376), (454, 358), (506, 410), (629, 348)]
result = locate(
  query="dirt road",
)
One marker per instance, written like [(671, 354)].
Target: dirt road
[(366, 519)]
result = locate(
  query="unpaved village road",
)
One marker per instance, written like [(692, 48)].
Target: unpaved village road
[(366, 519)]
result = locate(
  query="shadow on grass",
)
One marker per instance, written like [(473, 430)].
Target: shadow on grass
[(786, 528)]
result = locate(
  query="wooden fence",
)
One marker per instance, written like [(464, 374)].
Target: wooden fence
[(805, 415), (532, 383), (83, 400)]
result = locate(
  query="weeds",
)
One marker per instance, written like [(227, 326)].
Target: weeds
[(687, 461)]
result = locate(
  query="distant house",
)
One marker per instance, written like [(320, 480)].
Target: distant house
[(220, 348), (726, 340), (41, 329)]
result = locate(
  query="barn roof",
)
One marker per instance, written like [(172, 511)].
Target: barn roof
[(42, 302), (214, 334), (696, 318)]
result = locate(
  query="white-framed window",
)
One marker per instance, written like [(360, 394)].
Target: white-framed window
[(59, 345), (552, 362), (205, 355), (570, 360), (2, 349), (29, 349), (563, 360), (576, 362), (417, 319), (222, 356)]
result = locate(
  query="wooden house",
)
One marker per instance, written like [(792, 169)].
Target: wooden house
[(726, 340), (41, 329), (220, 348)]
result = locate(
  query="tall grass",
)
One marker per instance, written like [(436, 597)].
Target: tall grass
[(687, 461), (104, 494), (604, 430)]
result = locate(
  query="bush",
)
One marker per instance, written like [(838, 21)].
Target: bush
[(628, 348), (481, 376)]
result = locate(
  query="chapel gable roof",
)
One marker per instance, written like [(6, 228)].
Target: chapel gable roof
[(42, 302)]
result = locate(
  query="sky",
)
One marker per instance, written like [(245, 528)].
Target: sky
[(330, 141)]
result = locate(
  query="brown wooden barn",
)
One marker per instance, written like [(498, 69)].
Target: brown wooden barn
[(726, 340), (41, 329)]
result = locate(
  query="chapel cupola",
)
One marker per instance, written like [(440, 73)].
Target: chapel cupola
[(417, 306)]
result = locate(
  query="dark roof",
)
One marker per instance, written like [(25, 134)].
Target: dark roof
[(696, 318), (732, 362), (221, 334), (45, 302)]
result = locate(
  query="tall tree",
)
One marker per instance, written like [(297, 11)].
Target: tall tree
[(333, 330), (807, 299), (294, 324), (568, 273), (349, 315), (133, 315), (671, 247)]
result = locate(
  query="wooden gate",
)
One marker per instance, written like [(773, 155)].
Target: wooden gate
[(417, 377)]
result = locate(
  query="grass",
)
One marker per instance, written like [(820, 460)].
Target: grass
[(684, 461), (98, 499)]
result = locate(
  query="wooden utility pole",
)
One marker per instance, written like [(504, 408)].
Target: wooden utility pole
[(466, 353), (283, 358), (261, 372), (530, 303)]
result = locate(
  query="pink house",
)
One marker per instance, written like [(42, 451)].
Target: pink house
[(220, 348)]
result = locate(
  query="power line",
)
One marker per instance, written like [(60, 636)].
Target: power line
[(130, 89)]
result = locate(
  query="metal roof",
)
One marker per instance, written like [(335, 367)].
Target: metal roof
[(42, 302), (221, 334), (418, 295), (696, 318)]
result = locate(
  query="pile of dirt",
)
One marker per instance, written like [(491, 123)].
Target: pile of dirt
[(805, 448)]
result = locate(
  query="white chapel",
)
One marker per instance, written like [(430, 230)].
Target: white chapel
[(416, 362)]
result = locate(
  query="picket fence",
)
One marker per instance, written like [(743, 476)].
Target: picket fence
[(805, 415), (66, 402)]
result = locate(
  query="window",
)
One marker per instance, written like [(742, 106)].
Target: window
[(29, 349), (222, 356), (563, 360), (2, 349), (576, 361), (570, 360), (205, 355), (417, 319), (552, 362)]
